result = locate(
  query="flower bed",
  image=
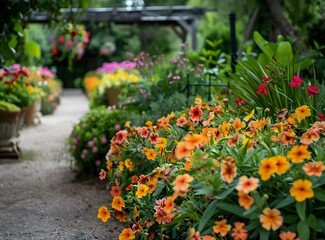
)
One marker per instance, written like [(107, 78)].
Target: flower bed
[(208, 173)]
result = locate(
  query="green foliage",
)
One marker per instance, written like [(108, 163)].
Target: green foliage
[(7, 106), (89, 140)]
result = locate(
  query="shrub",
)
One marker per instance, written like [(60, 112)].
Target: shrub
[(89, 140), (8, 107)]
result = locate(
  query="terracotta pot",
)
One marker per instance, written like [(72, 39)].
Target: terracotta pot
[(29, 114), (112, 96)]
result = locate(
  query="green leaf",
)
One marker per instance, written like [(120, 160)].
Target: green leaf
[(284, 53), (85, 3), (291, 219), (303, 230), (263, 45), (264, 234), (235, 209), (254, 224), (208, 213), (320, 194), (225, 194), (285, 202), (33, 49), (258, 199), (301, 209), (252, 213), (321, 224), (312, 222)]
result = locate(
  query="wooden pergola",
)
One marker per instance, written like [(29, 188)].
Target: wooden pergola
[(187, 18)]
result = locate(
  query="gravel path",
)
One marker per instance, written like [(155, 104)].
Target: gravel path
[(41, 196)]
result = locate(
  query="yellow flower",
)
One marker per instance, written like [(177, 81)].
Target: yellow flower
[(129, 164), (302, 112), (249, 116), (151, 154), (121, 166), (118, 203), (142, 190), (299, 153), (126, 234), (301, 190), (282, 164), (271, 219), (103, 213)]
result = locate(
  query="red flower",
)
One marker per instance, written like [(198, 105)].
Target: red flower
[(195, 113), (296, 82), (54, 50), (321, 116), (240, 102), (262, 89), (312, 90), (61, 39), (266, 79), (73, 33)]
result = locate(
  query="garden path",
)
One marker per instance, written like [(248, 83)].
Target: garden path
[(41, 195)]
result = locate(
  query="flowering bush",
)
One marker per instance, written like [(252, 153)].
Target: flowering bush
[(207, 173), (88, 142)]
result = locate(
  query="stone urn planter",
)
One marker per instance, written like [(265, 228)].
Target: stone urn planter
[(10, 125)]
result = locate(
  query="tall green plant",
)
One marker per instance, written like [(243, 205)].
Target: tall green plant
[(274, 80)]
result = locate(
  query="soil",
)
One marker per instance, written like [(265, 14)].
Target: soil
[(42, 196)]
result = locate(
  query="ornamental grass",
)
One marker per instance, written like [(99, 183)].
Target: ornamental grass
[(210, 173)]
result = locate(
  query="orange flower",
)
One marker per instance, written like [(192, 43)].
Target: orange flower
[(109, 165), (248, 143), (120, 136), (134, 178), (245, 200), (182, 150), (271, 219), (118, 203), (151, 154), (298, 153), (126, 234), (194, 235), (188, 165), (221, 227), (142, 190), (282, 164), (182, 182), (208, 134), (103, 213), (228, 171), (225, 128), (194, 141), (208, 237), (246, 184), (267, 168), (302, 112), (102, 174), (314, 169), (116, 191), (152, 186), (149, 124), (288, 236), (195, 113), (233, 140), (121, 216), (238, 232), (208, 120), (129, 187), (288, 137), (237, 124), (181, 121), (301, 190), (121, 166), (169, 204)]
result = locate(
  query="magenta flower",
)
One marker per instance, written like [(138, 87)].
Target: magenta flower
[(296, 82), (262, 89), (266, 79), (312, 90), (321, 116)]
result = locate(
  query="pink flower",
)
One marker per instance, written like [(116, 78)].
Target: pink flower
[(312, 90), (102, 174), (240, 102), (296, 82), (262, 89)]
